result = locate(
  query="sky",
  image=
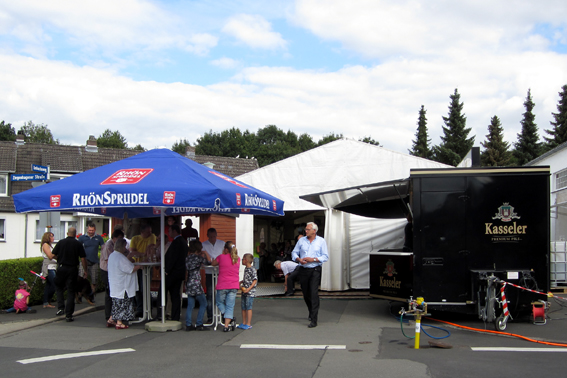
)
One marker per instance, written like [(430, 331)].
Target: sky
[(162, 71)]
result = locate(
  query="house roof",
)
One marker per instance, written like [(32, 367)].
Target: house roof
[(74, 159), (557, 149)]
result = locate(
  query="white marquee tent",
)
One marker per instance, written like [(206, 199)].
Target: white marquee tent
[(340, 164)]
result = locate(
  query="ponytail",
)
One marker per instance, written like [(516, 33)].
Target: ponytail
[(233, 251)]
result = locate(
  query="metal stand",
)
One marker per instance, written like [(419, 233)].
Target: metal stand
[(217, 318), (146, 290)]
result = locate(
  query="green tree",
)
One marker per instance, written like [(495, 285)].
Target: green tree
[(273, 144), (305, 142), (495, 152), (454, 143), (558, 134), (528, 146), (138, 147), (329, 138), (369, 140), (37, 133), (421, 143), (229, 143), (111, 139), (181, 146), (7, 132)]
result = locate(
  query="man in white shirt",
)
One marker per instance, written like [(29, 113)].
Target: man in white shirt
[(214, 248), (290, 273)]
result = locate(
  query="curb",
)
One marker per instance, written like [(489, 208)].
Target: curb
[(8, 328)]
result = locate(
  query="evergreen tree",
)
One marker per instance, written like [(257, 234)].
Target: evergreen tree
[(7, 132), (559, 131), (528, 146), (454, 144), (495, 152), (421, 143), (329, 138), (369, 140)]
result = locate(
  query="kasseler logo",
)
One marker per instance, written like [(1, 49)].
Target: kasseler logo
[(168, 198), (55, 201), (127, 176)]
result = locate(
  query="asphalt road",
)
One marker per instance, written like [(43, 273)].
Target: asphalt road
[(367, 338)]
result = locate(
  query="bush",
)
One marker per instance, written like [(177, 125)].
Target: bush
[(12, 270)]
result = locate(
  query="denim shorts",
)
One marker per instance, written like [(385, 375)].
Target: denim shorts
[(246, 302)]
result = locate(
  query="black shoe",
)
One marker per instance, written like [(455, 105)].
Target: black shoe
[(60, 312), (69, 319), (189, 328), (289, 293), (312, 324), (226, 329), (202, 328)]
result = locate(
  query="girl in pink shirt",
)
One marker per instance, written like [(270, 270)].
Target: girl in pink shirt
[(228, 283)]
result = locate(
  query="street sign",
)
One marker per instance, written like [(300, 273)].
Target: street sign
[(39, 168), (29, 177)]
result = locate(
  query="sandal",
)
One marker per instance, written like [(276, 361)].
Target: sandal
[(121, 326), (48, 306), (110, 323)]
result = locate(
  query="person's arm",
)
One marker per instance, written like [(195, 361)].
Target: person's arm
[(47, 250), (214, 262)]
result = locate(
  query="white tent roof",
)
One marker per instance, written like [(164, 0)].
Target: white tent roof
[(340, 164)]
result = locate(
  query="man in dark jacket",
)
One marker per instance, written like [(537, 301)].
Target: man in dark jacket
[(175, 269), (68, 252)]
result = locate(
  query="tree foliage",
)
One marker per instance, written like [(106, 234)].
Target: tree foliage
[(558, 134), (37, 133), (329, 138), (369, 140), (495, 152), (181, 146), (454, 143), (7, 132), (111, 139), (527, 146), (421, 143)]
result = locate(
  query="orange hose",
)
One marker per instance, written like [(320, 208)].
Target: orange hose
[(500, 333)]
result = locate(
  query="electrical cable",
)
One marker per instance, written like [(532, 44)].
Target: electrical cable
[(424, 331), (501, 333)]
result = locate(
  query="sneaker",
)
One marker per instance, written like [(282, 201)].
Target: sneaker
[(189, 328), (60, 312), (202, 328)]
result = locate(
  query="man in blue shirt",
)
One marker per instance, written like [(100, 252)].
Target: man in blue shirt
[(91, 241), (310, 253)]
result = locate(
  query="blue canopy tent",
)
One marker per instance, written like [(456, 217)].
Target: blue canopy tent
[(155, 183)]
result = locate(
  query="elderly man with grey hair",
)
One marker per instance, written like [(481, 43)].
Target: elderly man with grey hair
[(310, 253)]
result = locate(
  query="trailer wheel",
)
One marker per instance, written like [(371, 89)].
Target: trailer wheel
[(500, 323)]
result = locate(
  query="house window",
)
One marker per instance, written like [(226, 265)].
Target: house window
[(561, 179), (59, 234), (2, 228), (3, 184)]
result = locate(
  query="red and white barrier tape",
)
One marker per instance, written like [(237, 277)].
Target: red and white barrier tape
[(549, 295)]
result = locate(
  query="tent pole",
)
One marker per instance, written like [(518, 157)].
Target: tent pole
[(162, 266)]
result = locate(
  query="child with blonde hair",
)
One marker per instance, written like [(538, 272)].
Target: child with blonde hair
[(248, 287)]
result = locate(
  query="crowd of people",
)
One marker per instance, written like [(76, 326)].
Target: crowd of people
[(73, 259)]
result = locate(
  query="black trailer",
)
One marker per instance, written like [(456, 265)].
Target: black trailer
[(473, 228)]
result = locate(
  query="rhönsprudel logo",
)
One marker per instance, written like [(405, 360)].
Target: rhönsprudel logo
[(127, 176), (506, 213), (390, 271)]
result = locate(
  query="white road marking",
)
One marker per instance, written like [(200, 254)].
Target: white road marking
[(504, 349), (74, 355), (283, 346)]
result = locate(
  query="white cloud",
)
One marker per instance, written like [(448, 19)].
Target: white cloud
[(255, 31), (391, 28), (225, 63), (103, 25), (380, 101)]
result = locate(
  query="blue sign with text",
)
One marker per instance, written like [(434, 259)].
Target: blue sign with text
[(29, 177), (39, 168)]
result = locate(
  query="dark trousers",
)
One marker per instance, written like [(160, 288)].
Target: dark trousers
[(139, 308), (291, 278), (66, 277), (310, 278), (107, 299), (173, 286), (210, 288)]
